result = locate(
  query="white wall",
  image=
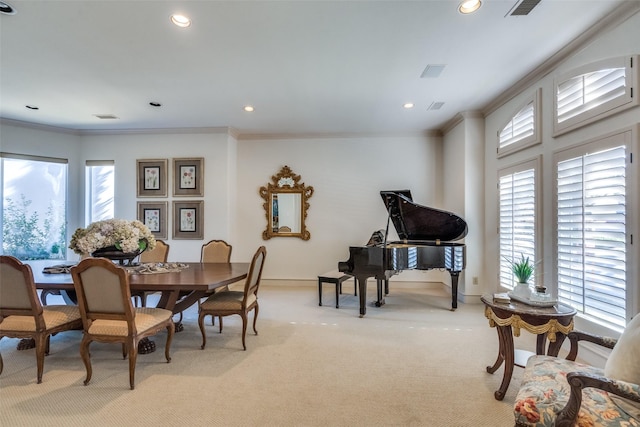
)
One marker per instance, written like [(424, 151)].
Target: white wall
[(212, 145), (463, 193), (347, 175), (623, 40)]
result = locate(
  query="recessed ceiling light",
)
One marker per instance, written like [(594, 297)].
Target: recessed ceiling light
[(180, 20), (469, 6), (6, 8), (248, 108), (32, 107), (409, 105)]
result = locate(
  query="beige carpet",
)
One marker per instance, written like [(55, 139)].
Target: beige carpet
[(410, 363)]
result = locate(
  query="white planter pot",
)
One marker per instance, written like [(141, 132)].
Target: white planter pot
[(522, 290)]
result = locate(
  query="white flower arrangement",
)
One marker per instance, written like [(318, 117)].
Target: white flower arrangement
[(127, 236)]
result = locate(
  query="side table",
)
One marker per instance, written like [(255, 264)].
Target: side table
[(552, 323)]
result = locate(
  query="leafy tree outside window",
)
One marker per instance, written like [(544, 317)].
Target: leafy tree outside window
[(33, 207)]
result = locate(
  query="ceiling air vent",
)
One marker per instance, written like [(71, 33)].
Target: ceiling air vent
[(436, 105), (524, 7), (432, 71), (106, 116)]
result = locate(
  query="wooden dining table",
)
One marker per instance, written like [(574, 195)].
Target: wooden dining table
[(179, 289)]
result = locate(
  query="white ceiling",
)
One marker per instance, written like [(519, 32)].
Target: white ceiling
[(308, 67)]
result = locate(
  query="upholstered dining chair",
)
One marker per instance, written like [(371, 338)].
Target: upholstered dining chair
[(158, 254), (108, 315), (22, 314), (230, 302), (216, 251), (563, 392)]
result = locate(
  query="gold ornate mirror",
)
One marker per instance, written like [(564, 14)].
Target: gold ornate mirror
[(286, 201)]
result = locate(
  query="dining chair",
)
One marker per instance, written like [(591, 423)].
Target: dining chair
[(22, 314), (158, 254), (231, 302), (215, 251), (108, 315)]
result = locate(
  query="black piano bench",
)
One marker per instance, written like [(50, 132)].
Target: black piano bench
[(336, 278)]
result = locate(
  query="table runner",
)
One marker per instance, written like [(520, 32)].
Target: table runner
[(142, 268)]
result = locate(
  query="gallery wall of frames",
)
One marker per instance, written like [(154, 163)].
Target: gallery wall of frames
[(184, 210)]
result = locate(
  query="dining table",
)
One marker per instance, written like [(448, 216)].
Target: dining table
[(181, 284)]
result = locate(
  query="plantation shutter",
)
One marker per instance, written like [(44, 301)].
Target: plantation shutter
[(589, 91), (519, 127), (591, 235), (517, 221)]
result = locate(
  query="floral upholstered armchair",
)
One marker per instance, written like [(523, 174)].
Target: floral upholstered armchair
[(562, 392)]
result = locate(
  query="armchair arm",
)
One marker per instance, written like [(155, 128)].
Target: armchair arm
[(577, 336), (580, 380)]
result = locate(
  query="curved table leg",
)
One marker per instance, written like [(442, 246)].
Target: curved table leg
[(541, 343), (554, 347), (499, 359), (506, 350)]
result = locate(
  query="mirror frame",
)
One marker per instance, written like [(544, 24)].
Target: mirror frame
[(287, 182)]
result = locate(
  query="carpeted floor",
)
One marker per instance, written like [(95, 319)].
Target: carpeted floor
[(411, 362)]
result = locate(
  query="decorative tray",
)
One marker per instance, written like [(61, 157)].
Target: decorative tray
[(533, 303)]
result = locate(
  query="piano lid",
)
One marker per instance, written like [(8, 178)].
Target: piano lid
[(415, 222)]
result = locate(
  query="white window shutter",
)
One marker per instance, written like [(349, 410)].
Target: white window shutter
[(591, 234)]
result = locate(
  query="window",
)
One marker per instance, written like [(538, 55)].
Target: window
[(100, 183), (591, 229), (523, 129), (518, 217), (593, 92), (33, 207)]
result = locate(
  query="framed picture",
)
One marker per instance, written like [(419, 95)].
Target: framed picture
[(152, 178), (188, 221), (188, 177), (154, 216)]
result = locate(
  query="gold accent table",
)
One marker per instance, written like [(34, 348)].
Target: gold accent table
[(552, 323)]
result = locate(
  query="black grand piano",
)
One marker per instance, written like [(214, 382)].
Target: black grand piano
[(427, 243)]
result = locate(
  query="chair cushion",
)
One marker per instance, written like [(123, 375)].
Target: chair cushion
[(623, 363), (54, 316), (146, 318), (544, 392), (227, 300)]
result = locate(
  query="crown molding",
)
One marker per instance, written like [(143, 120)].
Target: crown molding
[(150, 131), (156, 131), (623, 12), (284, 136), (36, 126)]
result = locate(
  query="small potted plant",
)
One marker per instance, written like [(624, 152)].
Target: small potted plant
[(523, 270)]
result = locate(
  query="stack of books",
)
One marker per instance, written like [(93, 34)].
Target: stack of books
[(502, 297)]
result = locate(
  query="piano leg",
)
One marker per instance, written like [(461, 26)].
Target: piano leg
[(380, 302), (454, 289), (362, 284)]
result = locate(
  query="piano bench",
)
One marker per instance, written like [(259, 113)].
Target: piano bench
[(336, 278)]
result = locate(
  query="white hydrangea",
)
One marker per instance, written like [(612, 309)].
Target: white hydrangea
[(125, 235)]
